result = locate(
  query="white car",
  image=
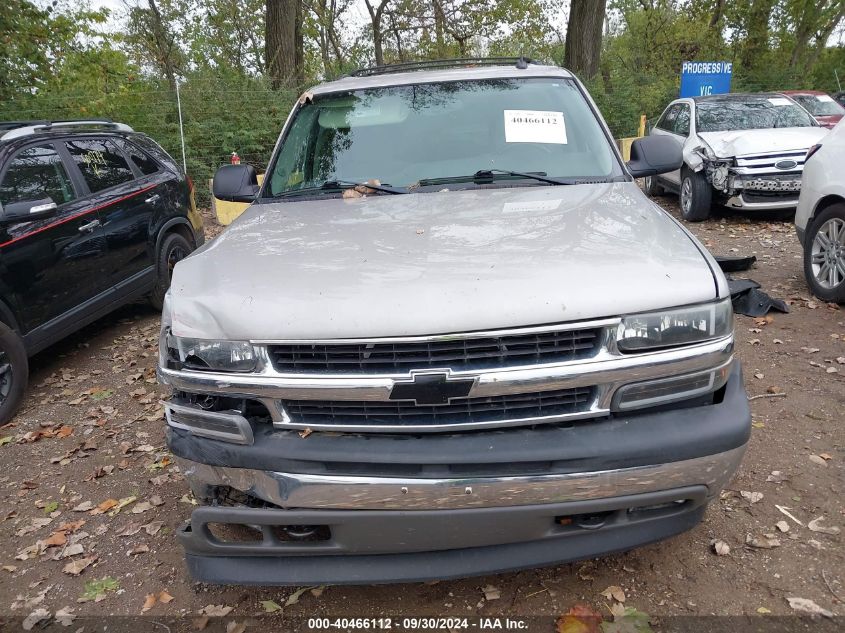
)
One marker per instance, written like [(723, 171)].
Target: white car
[(820, 218), (743, 151)]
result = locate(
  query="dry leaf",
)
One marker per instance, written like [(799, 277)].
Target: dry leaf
[(818, 460), (55, 539), (142, 507), (200, 623), (139, 549), (803, 605), (74, 568), (164, 597), (34, 618), (215, 610), (721, 548), (761, 542), (153, 527), (296, 595), (65, 616), (235, 627), (85, 506), (783, 526), (491, 592), (614, 592), (816, 526), (105, 506), (753, 497), (305, 432), (149, 602), (581, 618)]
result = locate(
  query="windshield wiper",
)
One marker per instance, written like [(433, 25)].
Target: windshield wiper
[(339, 185), (489, 175)]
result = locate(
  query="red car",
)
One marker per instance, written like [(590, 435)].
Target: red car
[(820, 104)]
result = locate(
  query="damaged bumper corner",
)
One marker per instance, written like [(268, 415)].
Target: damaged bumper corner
[(757, 182)]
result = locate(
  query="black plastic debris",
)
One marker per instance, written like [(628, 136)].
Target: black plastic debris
[(735, 264), (748, 299)]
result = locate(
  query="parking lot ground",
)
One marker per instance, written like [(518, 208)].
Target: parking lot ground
[(91, 435)]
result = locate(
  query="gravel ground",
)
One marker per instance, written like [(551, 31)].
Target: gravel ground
[(90, 435)]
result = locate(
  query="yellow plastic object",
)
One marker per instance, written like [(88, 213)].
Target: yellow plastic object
[(625, 143), (225, 211)]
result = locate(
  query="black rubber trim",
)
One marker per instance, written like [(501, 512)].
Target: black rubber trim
[(621, 441), (331, 562)]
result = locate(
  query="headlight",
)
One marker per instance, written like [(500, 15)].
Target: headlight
[(673, 328), (178, 352)]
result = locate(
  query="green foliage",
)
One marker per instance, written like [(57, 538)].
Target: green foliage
[(95, 588), (61, 60)]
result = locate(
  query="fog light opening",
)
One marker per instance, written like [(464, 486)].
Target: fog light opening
[(306, 533)]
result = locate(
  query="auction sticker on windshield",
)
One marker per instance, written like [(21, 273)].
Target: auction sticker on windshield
[(534, 126), (780, 101)]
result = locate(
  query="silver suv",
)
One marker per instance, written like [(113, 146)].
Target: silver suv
[(450, 336)]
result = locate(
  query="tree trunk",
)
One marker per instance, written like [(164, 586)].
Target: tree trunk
[(757, 32), (283, 42), (378, 36), (583, 37), (164, 43)]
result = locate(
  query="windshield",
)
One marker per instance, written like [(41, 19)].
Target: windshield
[(400, 135), (819, 105), (749, 113)]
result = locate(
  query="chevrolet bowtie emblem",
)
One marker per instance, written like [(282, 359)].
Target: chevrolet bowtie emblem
[(431, 388)]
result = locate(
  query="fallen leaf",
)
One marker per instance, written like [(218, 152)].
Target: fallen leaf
[(826, 456), (200, 623), (818, 460), (305, 433), (105, 506), (164, 597), (491, 592), (803, 605), (753, 497), (65, 616), (64, 431), (130, 530), (783, 526), (34, 618), (74, 568), (614, 592), (139, 549), (235, 627), (149, 602), (296, 595), (318, 591), (271, 606), (142, 507), (215, 610), (580, 618), (721, 548), (153, 527), (816, 526), (96, 589), (55, 539), (761, 542), (627, 620), (85, 506), (763, 610)]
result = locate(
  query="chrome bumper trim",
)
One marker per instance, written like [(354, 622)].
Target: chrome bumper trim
[(289, 490)]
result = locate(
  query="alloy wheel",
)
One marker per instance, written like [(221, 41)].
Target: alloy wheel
[(828, 254), (686, 195)]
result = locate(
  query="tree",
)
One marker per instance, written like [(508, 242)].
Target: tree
[(151, 33), (283, 43), (584, 36), (376, 16)]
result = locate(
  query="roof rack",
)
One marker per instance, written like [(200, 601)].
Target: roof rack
[(17, 129), (434, 64)]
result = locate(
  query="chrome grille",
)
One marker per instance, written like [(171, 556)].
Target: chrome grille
[(519, 407), (455, 353)]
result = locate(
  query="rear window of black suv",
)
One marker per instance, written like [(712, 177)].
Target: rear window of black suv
[(102, 164)]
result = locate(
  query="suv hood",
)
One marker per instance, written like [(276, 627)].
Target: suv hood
[(750, 142), (434, 263)]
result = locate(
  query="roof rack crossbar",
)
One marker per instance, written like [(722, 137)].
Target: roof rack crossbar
[(519, 62), (43, 126)]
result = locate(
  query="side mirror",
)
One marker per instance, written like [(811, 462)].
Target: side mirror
[(27, 210), (652, 155), (235, 183)]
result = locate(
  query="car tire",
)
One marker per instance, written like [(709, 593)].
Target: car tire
[(824, 254), (696, 196), (651, 187), (14, 372), (174, 247)]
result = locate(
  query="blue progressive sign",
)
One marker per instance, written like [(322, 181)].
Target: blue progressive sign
[(705, 78)]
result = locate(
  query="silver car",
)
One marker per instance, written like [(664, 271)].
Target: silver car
[(745, 151), (449, 337)]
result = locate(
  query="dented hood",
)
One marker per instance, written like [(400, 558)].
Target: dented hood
[(432, 263), (751, 142)]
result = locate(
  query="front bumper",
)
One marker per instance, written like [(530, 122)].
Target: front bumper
[(407, 508)]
